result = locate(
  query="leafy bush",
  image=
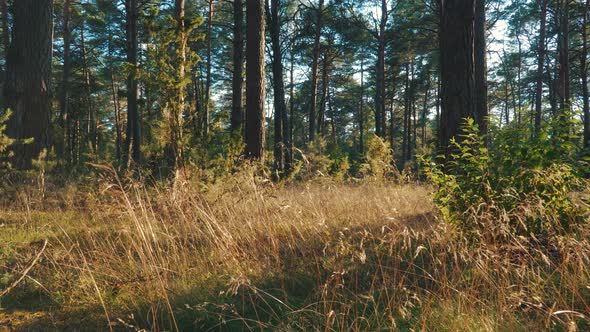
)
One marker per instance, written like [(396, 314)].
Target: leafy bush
[(379, 160), (518, 189)]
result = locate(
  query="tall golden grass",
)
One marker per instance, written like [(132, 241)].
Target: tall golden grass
[(247, 254)]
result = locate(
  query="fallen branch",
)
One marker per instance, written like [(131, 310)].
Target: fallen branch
[(25, 272)]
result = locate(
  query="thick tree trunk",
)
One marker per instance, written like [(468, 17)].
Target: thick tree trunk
[(28, 80), (481, 77), (314, 71), (133, 140), (540, 64), (238, 64), (457, 67), (255, 86)]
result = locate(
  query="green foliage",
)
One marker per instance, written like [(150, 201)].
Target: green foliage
[(379, 160), (520, 188), (5, 141)]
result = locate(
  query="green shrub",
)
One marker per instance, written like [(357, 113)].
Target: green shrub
[(501, 193)]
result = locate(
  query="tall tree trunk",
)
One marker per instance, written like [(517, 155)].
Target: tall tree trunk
[(540, 63), (424, 115), (238, 64), (481, 77), (65, 84), (117, 116), (407, 118), (133, 140), (255, 116), (564, 61), (176, 117), (584, 62), (314, 71), (380, 124), (91, 116), (323, 100), (457, 67), (282, 144), (361, 116), (207, 115), (28, 78)]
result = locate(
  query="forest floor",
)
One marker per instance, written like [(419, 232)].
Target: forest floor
[(247, 256)]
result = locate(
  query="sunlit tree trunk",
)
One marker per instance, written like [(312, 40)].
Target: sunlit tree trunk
[(255, 118)]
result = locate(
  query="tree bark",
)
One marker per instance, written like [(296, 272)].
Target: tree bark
[(28, 78), (238, 64), (457, 67), (255, 116), (540, 63), (133, 140), (314, 71)]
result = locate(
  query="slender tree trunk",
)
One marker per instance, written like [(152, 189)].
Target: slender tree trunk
[(407, 110), (425, 112), (314, 71), (117, 116), (91, 124), (361, 117), (282, 142), (380, 124), (325, 85), (65, 84), (207, 115), (291, 99), (481, 77), (584, 62), (457, 67), (175, 148), (238, 65), (255, 113), (540, 63), (28, 78), (564, 62), (133, 140)]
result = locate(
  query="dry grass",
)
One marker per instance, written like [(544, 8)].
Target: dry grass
[(248, 255)]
